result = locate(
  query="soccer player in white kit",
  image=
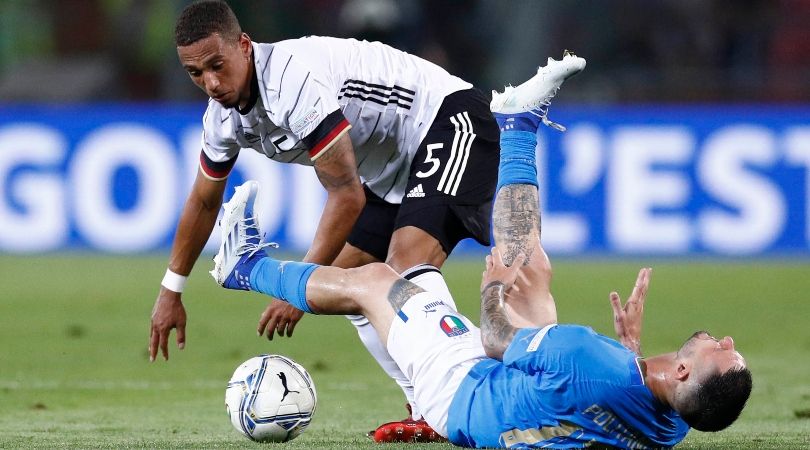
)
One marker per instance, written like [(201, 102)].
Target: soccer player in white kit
[(407, 153)]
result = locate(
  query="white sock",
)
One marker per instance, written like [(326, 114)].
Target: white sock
[(370, 338)]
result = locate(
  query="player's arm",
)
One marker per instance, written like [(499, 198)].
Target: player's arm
[(196, 222), (627, 319), (337, 171), (497, 331), (516, 229)]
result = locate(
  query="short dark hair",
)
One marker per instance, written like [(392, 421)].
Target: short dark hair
[(718, 401), (204, 18)]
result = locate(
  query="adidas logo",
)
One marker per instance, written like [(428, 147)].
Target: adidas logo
[(416, 192), (508, 124)]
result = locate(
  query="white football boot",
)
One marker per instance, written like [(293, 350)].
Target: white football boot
[(242, 243), (534, 96)]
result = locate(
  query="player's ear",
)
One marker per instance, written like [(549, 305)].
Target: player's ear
[(245, 45), (683, 370)]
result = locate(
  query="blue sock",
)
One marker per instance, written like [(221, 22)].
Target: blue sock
[(518, 162), (285, 280)]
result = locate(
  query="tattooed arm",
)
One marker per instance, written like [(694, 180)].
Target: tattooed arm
[(496, 329)]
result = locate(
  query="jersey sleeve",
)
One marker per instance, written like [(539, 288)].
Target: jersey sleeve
[(219, 146), (304, 103), (524, 351), (558, 347)]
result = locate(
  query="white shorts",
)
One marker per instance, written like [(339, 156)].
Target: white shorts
[(435, 347)]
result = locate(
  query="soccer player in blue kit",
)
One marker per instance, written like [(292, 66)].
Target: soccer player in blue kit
[(522, 380)]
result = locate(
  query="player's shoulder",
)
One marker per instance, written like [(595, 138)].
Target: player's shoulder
[(216, 115), (570, 329), (290, 62), (312, 49), (303, 47), (580, 338)]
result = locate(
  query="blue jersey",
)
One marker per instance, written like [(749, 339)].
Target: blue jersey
[(561, 387)]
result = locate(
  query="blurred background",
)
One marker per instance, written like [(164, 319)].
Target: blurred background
[(688, 132), (688, 150), (638, 51)]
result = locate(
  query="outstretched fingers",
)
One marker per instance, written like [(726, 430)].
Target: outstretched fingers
[(627, 318), (616, 304), (639, 293)]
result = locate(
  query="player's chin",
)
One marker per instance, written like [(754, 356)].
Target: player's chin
[(226, 101)]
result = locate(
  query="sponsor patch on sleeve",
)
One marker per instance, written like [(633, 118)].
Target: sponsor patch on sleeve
[(534, 344), (300, 125)]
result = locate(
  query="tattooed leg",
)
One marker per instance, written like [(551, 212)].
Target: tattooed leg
[(400, 292), (516, 221), (516, 228)]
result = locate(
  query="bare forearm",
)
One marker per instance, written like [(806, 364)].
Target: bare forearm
[(338, 218), (516, 221), (496, 330), (196, 223)]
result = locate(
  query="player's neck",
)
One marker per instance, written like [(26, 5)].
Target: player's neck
[(247, 100), (657, 376)]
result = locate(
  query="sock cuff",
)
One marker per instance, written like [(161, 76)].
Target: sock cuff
[(521, 138), (518, 145), (516, 135), (417, 270), (301, 293)]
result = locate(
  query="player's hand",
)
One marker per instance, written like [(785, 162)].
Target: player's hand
[(529, 303), (279, 317), (168, 313), (497, 271), (627, 319)]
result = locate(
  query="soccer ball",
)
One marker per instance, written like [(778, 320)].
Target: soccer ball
[(270, 398)]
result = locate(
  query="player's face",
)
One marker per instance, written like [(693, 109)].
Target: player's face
[(710, 352), (222, 69)]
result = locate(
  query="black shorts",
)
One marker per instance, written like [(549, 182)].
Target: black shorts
[(451, 183)]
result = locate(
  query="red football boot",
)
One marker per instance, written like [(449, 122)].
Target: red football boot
[(407, 430)]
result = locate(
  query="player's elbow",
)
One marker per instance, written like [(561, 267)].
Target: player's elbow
[(350, 199), (357, 200), (494, 352), (493, 347)]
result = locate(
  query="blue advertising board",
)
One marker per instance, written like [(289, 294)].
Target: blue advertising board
[(652, 180)]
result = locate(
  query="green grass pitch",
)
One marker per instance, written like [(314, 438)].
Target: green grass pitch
[(74, 370)]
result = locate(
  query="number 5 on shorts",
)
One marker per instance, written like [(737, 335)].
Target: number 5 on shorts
[(430, 159)]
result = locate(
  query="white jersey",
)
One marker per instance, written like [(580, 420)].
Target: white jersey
[(315, 89)]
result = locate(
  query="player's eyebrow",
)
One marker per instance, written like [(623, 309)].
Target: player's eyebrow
[(207, 61)]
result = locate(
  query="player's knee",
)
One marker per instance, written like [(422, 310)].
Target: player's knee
[(378, 269), (372, 276), (544, 266), (363, 286)]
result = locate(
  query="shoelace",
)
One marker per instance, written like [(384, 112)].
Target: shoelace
[(249, 246), (543, 114)]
